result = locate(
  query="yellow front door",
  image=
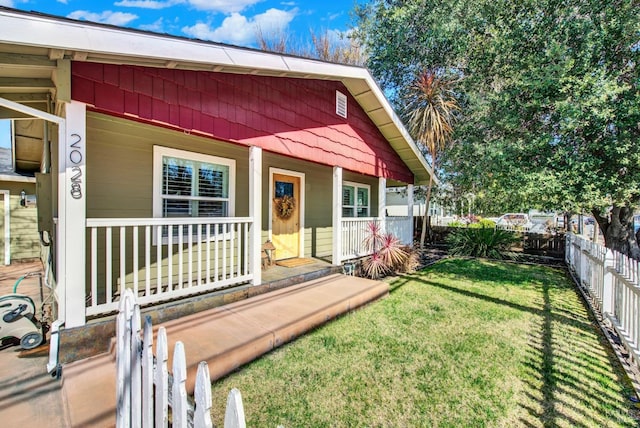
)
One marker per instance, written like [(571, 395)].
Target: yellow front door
[(285, 223)]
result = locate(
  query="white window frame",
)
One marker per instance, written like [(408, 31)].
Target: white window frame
[(357, 186), (160, 151)]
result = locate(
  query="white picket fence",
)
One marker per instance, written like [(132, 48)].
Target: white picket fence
[(612, 282), (137, 370)]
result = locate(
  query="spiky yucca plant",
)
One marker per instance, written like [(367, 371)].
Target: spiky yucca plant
[(482, 242), (387, 255)]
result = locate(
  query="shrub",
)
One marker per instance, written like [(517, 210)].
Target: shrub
[(484, 223), (457, 223), (482, 242), (388, 254)]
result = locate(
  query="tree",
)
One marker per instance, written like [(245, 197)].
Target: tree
[(326, 46), (550, 103), (430, 111)]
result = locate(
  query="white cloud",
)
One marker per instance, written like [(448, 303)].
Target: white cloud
[(237, 29), (6, 3), (148, 4), (223, 6), (106, 17), (157, 26), (62, 1)]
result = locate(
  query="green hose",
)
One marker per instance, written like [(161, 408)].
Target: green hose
[(15, 287)]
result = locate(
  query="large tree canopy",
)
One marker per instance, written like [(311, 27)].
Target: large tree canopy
[(550, 104)]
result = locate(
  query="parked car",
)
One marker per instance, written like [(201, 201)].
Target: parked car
[(514, 219)]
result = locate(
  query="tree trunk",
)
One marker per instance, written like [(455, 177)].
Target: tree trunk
[(426, 213), (618, 231)]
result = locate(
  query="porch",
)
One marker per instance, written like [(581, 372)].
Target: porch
[(199, 256)]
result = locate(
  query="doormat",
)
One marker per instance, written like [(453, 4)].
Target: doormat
[(294, 262)]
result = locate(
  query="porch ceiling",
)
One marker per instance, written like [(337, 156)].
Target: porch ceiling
[(35, 47)]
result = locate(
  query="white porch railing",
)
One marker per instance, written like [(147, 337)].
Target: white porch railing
[(195, 255), (401, 228), (356, 230), (144, 388), (613, 285)]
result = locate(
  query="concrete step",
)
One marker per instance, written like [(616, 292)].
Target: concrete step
[(226, 337)]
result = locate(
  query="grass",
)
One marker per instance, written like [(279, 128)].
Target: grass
[(465, 343)]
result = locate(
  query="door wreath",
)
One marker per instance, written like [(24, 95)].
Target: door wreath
[(284, 206)]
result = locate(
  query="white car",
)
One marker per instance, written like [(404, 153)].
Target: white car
[(514, 220)]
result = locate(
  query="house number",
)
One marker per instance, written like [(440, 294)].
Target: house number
[(75, 157)]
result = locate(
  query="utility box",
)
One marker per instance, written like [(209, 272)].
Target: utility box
[(45, 208)]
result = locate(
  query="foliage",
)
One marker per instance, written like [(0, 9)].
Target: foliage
[(486, 223), (548, 92), (430, 112), (457, 223), (326, 46), (511, 343), (482, 242), (388, 254)]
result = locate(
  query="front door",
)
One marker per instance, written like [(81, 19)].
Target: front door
[(285, 216)]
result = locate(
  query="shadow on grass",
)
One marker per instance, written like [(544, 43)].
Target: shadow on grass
[(565, 383)]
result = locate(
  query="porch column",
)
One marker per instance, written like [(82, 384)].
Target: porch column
[(382, 203), (72, 216), (336, 255), (410, 212), (255, 212)]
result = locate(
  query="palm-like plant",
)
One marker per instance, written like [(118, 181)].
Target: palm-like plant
[(387, 252), (430, 111)]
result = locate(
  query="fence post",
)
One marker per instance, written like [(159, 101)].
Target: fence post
[(136, 366), (234, 414), (202, 413), (178, 389), (162, 383), (147, 374), (123, 360), (607, 283)]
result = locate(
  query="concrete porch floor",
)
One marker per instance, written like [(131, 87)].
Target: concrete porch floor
[(226, 337)]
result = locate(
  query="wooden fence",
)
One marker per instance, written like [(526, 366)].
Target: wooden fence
[(138, 403), (611, 282)]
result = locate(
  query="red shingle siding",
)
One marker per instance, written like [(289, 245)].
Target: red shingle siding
[(294, 117)]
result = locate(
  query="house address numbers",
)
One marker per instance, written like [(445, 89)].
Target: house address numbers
[(75, 157)]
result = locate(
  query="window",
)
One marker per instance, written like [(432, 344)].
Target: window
[(188, 184), (341, 104), (355, 200)]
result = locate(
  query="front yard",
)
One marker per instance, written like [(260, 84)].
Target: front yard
[(463, 343)]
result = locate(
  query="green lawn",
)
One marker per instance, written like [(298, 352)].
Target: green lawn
[(464, 343)]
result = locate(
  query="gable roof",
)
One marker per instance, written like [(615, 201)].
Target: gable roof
[(31, 45)]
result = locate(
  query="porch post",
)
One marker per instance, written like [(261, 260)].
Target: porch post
[(336, 256), (72, 215), (410, 212), (382, 203), (255, 212)]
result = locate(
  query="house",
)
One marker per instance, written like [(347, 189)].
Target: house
[(169, 162), (19, 239)]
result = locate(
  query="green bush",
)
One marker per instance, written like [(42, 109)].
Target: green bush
[(481, 242), (490, 224), (456, 224)]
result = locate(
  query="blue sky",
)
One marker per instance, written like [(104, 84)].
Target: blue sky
[(227, 21)]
